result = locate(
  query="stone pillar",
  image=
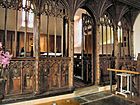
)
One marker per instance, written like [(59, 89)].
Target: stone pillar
[(36, 48), (97, 51), (116, 47), (71, 51)]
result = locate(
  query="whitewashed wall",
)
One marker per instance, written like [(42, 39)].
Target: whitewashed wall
[(137, 36)]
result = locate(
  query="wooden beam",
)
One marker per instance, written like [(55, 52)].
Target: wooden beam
[(97, 61), (36, 48), (16, 19), (71, 51), (47, 35), (25, 33), (5, 30)]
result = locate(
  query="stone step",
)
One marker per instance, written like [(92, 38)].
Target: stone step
[(86, 90)]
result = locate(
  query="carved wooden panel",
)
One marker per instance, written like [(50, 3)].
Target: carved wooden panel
[(105, 62), (53, 73), (20, 78), (14, 78)]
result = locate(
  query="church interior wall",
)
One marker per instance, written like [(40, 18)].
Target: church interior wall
[(11, 22)]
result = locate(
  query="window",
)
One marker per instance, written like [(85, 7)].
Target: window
[(30, 16), (78, 35), (106, 31), (106, 35)]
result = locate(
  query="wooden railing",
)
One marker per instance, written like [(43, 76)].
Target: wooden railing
[(123, 71), (21, 77), (134, 73)]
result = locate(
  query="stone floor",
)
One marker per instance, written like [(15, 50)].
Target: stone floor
[(100, 98), (92, 95)]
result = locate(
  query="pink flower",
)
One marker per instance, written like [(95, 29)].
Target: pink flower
[(7, 55), (5, 62), (0, 45), (4, 57)]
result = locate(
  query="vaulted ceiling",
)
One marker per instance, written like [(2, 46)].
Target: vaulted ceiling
[(134, 3), (116, 8)]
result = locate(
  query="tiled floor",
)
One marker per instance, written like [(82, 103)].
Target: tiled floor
[(101, 98)]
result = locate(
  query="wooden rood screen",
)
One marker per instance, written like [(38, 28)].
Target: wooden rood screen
[(105, 62), (53, 74), (109, 62)]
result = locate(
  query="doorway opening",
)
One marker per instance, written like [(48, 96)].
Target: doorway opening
[(83, 49)]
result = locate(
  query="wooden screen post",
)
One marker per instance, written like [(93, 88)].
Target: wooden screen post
[(71, 51)]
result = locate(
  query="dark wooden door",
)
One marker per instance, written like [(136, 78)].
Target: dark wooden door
[(87, 50)]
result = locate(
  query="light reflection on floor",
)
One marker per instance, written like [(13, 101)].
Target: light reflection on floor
[(102, 98), (62, 102)]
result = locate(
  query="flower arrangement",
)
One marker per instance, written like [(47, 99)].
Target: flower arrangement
[(4, 60)]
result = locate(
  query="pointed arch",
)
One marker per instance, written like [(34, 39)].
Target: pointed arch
[(72, 6)]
